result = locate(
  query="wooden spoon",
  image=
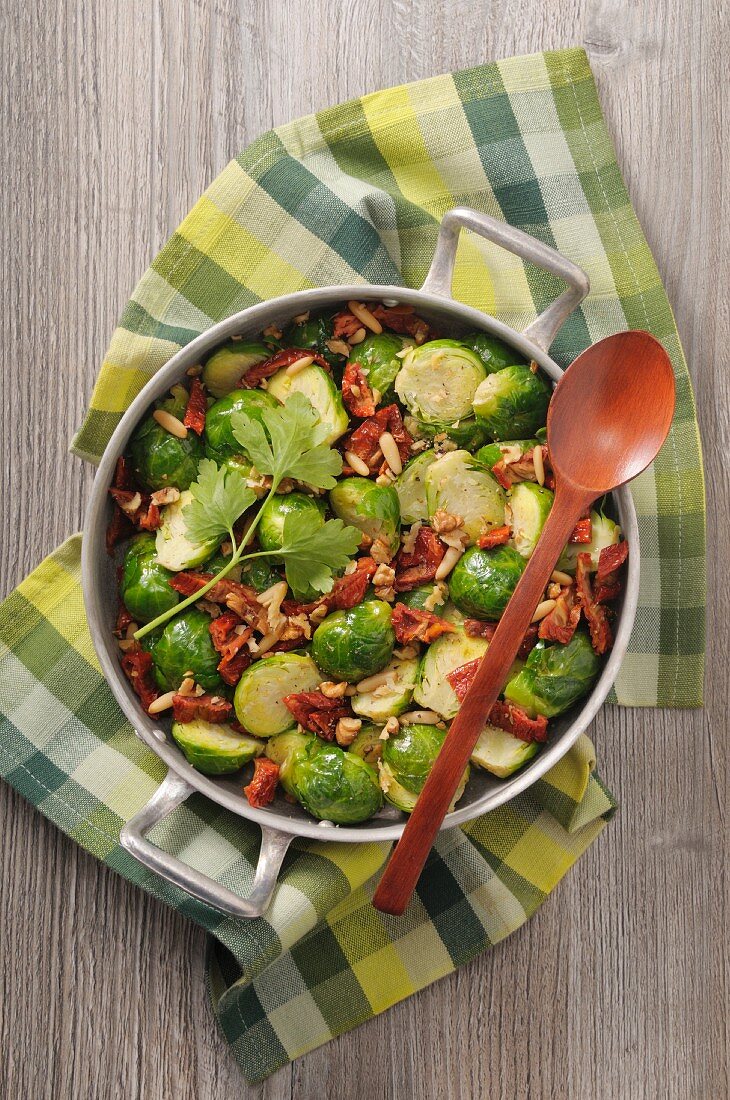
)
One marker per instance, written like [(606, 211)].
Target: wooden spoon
[(609, 415)]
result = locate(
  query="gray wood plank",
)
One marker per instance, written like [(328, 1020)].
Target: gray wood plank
[(116, 118)]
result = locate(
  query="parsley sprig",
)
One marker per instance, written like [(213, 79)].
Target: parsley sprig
[(290, 443)]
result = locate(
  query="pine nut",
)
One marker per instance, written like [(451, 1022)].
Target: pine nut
[(365, 317), (560, 578), (299, 365), (389, 447), (356, 463), (370, 683), (170, 423), (267, 642), (187, 687), (420, 717), (125, 644), (129, 507), (539, 465), (164, 702), (448, 562), (358, 337), (542, 610)]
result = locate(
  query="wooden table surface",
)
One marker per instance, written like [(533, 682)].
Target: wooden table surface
[(115, 116)]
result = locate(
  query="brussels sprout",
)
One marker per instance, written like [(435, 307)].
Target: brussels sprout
[(492, 351), (259, 695), (529, 507), (604, 532), (333, 785), (418, 597), (555, 676), (282, 748), (160, 460), (275, 511), (512, 403), (454, 484), (215, 749), (220, 442), (438, 380), (407, 760), (174, 549), (467, 434), (185, 647), (219, 560), (227, 365), (391, 697), (145, 587), (259, 574), (378, 355), (319, 388), (373, 509), (433, 691), (500, 752), (356, 643), (492, 453), (411, 488), (313, 334), (482, 581), (367, 743)]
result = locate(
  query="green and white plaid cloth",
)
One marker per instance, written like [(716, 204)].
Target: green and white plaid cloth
[(355, 193)]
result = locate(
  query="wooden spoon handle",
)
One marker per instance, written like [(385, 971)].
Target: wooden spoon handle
[(405, 865)]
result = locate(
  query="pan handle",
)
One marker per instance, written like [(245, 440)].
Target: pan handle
[(168, 796), (544, 329)]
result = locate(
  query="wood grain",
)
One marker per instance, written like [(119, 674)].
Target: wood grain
[(114, 118)]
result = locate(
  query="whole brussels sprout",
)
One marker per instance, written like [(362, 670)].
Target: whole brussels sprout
[(407, 760), (160, 460), (321, 391), (467, 434), (492, 351), (417, 597), (482, 581), (145, 587), (225, 368), (219, 560), (333, 785), (554, 676), (185, 647), (512, 403), (604, 532), (373, 509), (437, 381), (313, 334), (350, 645), (220, 442), (378, 354), (410, 486), (259, 574), (492, 453), (275, 511)]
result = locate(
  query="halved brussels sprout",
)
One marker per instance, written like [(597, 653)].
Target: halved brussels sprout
[(433, 691), (282, 748), (482, 581), (215, 749), (528, 508), (408, 757), (411, 488), (160, 460), (227, 365), (145, 587), (468, 434), (604, 532), (258, 699), (391, 697), (183, 648), (220, 442), (512, 403), (367, 743), (350, 645), (555, 676), (326, 399), (454, 484), (313, 334), (174, 549), (438, 380), (373, 509), (493, 352), (333, 785), (378, 355), (492, 453), (435, 595), (500, 752)]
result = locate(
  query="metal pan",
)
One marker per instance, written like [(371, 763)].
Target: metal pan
[(281, 822)]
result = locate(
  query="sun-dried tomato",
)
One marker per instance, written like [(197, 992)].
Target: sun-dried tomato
[(559, 625), (419, 567), (411, 625), (149, 517), (608, 581), (365, 440), (137, 508), (461, 678), (316, 713), (196, 408), (347, 591), (123, 478), (499, 471), (345, 325), (583, 531), (595, 614), (206, 708), (513, 719), (137, 666), (120, 528), (356, 393), (498, 536), (243, 598), (283, 358), (262, 788), (124, 618), (235, 658), (403, 319)]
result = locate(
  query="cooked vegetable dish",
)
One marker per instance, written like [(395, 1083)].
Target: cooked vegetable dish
[(319, 532)]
